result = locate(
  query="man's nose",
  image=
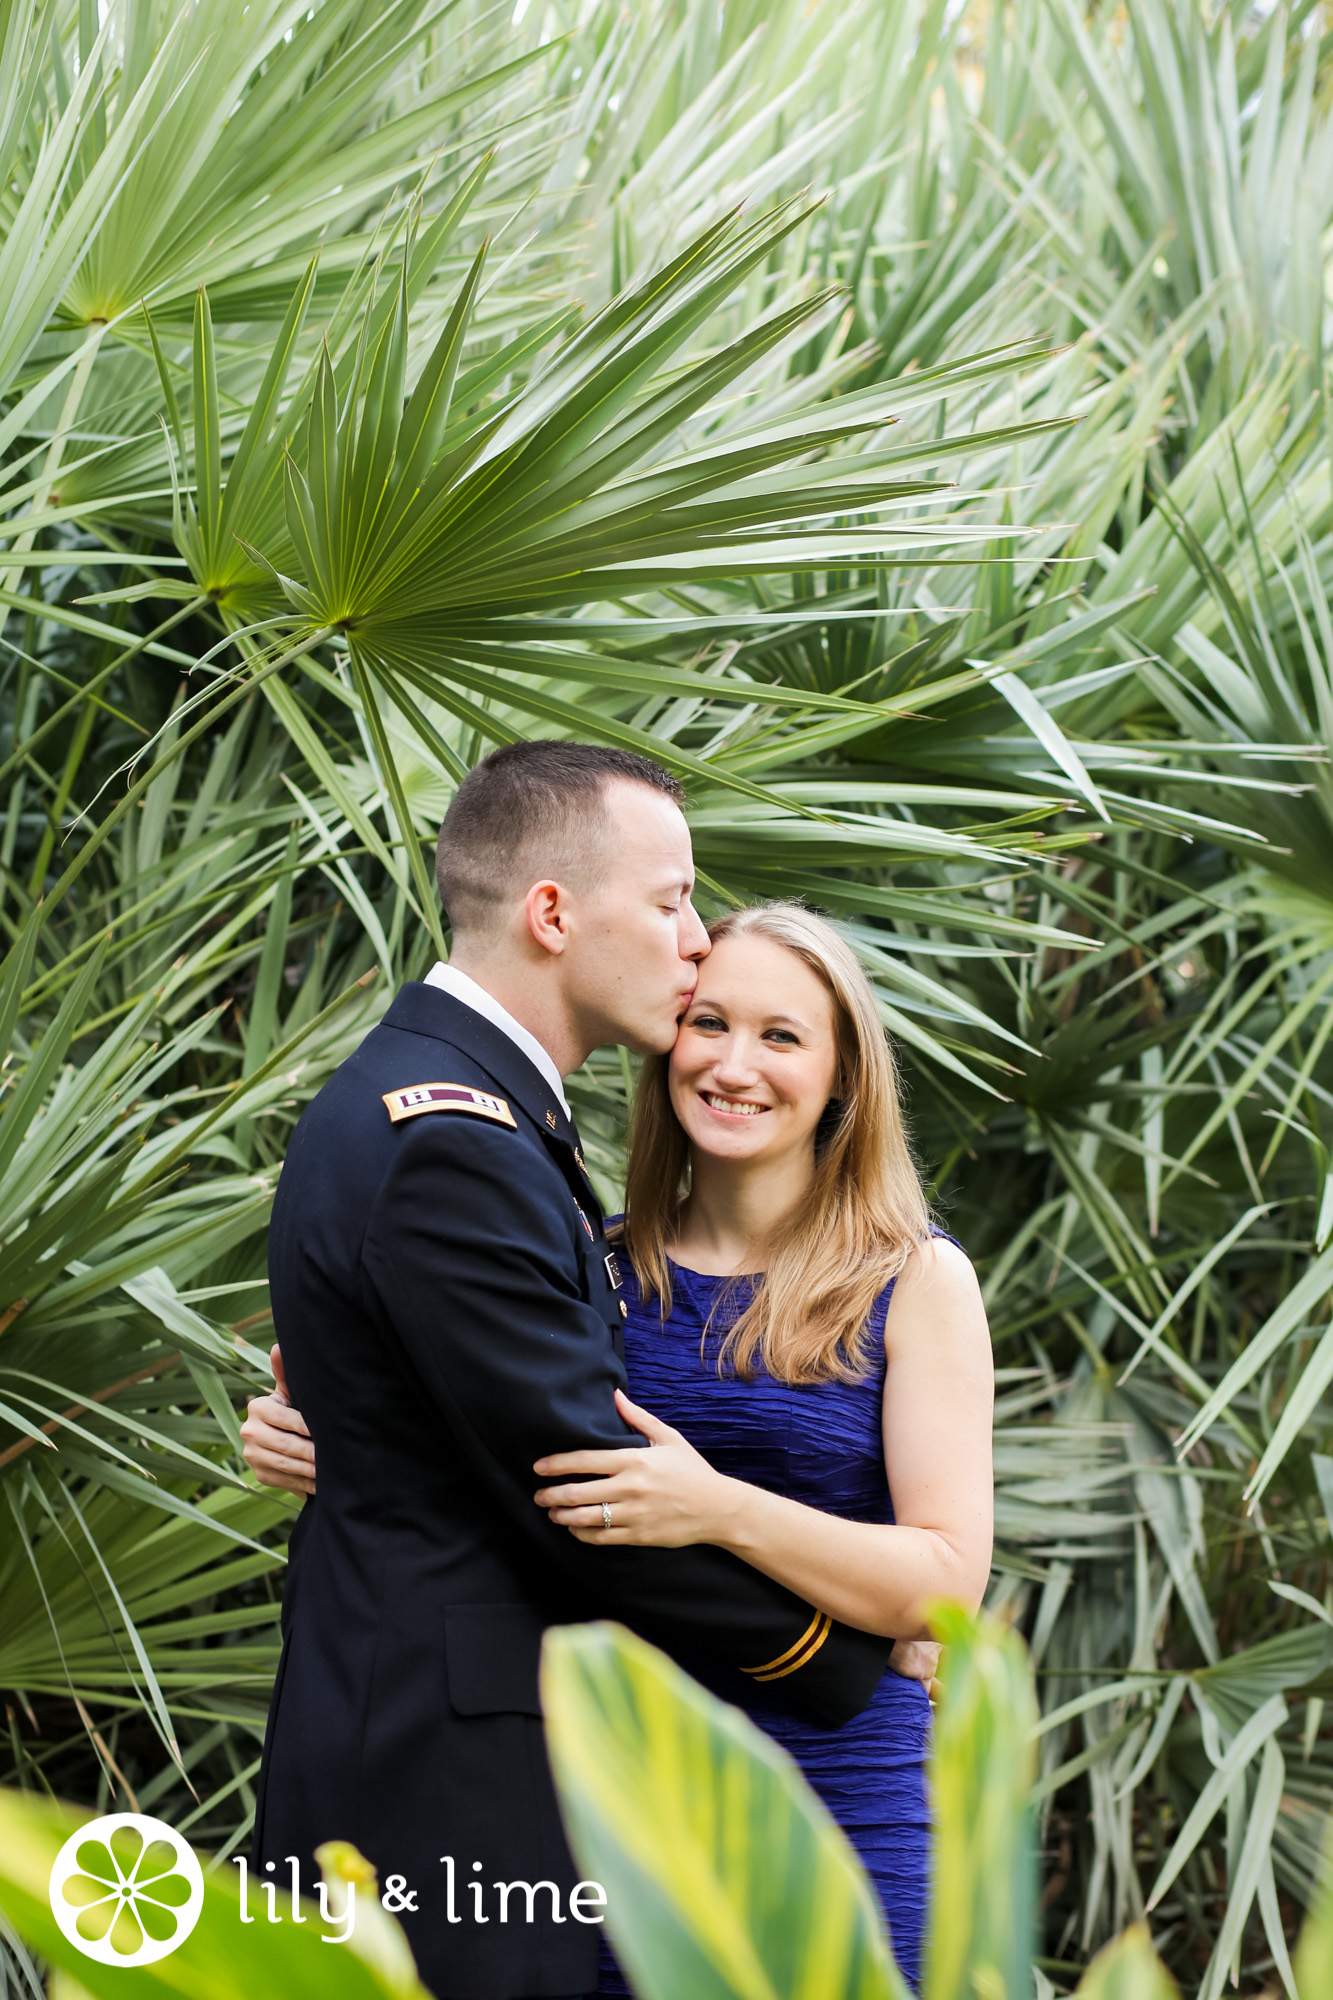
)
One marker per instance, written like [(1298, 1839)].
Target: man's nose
[(694, 941)]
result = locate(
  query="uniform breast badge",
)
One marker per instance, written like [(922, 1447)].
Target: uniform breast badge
[(420, 1097)]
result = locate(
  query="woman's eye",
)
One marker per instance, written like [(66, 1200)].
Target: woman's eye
[(781, 1035), (708, 1022)]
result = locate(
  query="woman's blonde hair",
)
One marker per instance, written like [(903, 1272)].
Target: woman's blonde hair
[(865, 1210)]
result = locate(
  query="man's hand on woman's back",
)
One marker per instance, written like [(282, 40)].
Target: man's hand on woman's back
[(916, 1660)]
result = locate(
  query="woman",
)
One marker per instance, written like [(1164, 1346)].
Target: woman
[(811, 1361)]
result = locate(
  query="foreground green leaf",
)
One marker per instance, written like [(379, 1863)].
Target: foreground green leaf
[(725, 1877)]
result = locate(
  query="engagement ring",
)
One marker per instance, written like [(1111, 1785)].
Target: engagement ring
[(606, 1513)]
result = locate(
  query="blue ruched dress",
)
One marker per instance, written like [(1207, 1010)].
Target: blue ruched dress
[(822, 1444)]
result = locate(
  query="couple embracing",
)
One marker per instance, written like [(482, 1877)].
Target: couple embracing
[(804, 1464)]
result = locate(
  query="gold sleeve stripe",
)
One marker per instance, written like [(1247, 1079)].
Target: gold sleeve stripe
[(800, 1646), (802, 1659)]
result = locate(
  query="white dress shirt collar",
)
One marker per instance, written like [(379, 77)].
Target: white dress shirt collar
[(450, 980)]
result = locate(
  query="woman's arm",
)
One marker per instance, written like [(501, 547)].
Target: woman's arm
[(279, 1449), (938, 1410)]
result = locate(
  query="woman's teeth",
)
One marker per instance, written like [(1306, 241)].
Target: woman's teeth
[(733, 1104)]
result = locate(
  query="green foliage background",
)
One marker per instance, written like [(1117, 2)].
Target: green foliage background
[(911, 422)]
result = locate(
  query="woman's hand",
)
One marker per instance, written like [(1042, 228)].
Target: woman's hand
[(278, 1447), (668, 1497)]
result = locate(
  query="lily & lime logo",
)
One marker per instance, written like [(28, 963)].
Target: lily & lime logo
[(126, 1889)]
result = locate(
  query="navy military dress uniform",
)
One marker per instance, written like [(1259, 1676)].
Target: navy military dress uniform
[(445, 1300)]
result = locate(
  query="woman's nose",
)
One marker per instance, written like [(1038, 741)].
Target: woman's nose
[(733, 1065)]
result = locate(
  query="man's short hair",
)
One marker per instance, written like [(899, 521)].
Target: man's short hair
[(532, 810)]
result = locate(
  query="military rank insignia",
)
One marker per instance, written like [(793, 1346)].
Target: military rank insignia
[(421, 1097)]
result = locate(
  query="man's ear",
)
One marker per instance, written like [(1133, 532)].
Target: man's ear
[(546, 915)]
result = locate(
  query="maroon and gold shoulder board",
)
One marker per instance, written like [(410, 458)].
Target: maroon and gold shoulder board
[(419, 1097)]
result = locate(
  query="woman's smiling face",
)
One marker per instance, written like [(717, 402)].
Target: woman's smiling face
[(756, 1059)]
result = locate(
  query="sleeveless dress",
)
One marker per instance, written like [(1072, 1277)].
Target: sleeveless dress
[(822, 1444)]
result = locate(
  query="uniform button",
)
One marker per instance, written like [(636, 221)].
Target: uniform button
[(624, 1309)]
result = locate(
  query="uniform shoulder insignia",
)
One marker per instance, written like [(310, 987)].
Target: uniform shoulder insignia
[(420, 1097)]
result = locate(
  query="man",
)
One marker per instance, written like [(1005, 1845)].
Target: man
[(446, 1306)]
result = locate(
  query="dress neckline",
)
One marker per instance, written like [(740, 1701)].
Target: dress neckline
[(715, 1277)]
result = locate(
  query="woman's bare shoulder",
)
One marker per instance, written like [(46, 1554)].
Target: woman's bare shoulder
[(939, 1262), (936, 1299)]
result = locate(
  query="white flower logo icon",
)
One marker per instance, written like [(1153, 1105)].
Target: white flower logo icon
[(126, 1889)]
